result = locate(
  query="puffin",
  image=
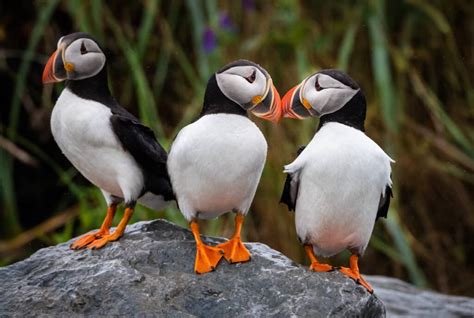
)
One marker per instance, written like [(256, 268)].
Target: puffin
[(215, 163), (103, 141), (340, 183)]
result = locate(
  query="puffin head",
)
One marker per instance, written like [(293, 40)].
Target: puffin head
[(78, 56), (322, 94), (250, 86)]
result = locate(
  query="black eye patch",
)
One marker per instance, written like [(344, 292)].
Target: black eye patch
[(252, 77), (317, 86), (83, 49)]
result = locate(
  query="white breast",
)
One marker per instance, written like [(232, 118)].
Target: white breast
[(342, 174), (82, 130), (215, 165)]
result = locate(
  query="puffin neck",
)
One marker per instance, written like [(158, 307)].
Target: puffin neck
[(94, 88), (352, 114), (215, 102)]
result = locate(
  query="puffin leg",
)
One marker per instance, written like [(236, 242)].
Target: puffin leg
[(207, 257), (86, 239), (234, 250), (99, 243), (353, 273), (315, 265)]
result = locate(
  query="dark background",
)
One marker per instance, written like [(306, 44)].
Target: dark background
[(414, 60)]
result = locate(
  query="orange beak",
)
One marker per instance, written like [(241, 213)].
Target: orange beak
[(48, 72), (54, 70), (270, 107), (291, 105)]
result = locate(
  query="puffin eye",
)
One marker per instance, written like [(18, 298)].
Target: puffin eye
[(252, 77), (318, 87), (83, 49)]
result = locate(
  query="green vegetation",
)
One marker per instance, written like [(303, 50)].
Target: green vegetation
[(413, 59)]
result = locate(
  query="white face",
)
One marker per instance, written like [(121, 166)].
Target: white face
[(325, 94), (244, 85), (84, 56)]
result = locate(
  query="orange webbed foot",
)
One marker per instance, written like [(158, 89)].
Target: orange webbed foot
[(86, 239), (207, 258), (357, 278), (353, 273), (101, 242), (235, 251), (318, 267), (315, 265)]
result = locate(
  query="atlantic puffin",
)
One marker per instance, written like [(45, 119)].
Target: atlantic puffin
[(107, 144), (216, 162), (340, 183)]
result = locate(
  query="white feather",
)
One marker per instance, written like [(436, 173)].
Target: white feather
[(82, 130), (215, 165), (341, 174)]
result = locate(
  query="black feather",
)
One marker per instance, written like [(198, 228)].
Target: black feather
[(141, 143), (286, 197), (300, 150), (215, 102), (384, 203)]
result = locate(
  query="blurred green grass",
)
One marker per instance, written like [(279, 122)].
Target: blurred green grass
[(412, 58)]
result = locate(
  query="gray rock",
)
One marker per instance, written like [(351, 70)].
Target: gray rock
[(404, 300), (149, 272)]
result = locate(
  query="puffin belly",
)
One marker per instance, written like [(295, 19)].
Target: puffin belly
[(114, 171), (332, 236), (332, 220), (215, 165), (342, 178), (82, 130)]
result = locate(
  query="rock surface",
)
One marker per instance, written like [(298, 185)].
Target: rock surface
[(404, 300), (149, 272)]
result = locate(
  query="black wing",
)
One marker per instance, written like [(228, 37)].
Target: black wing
[(290, 190), (384, 203), (141, 143)]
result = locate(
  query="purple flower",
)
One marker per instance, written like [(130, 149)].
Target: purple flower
[(248, 5), (209, 40), (225, 22)]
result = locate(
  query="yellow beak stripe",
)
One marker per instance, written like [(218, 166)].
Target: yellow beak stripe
[(306, 104)]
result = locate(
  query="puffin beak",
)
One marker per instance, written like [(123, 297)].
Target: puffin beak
[(54, 70), (270, 107), (292, 107)]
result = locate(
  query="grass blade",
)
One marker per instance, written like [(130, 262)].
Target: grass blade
[(381, 65), (346, 46), (406, 254), (11, 224), (146, 101), (146, 27), (198, 23)]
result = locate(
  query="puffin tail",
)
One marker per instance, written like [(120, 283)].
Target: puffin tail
[(153, 201)]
